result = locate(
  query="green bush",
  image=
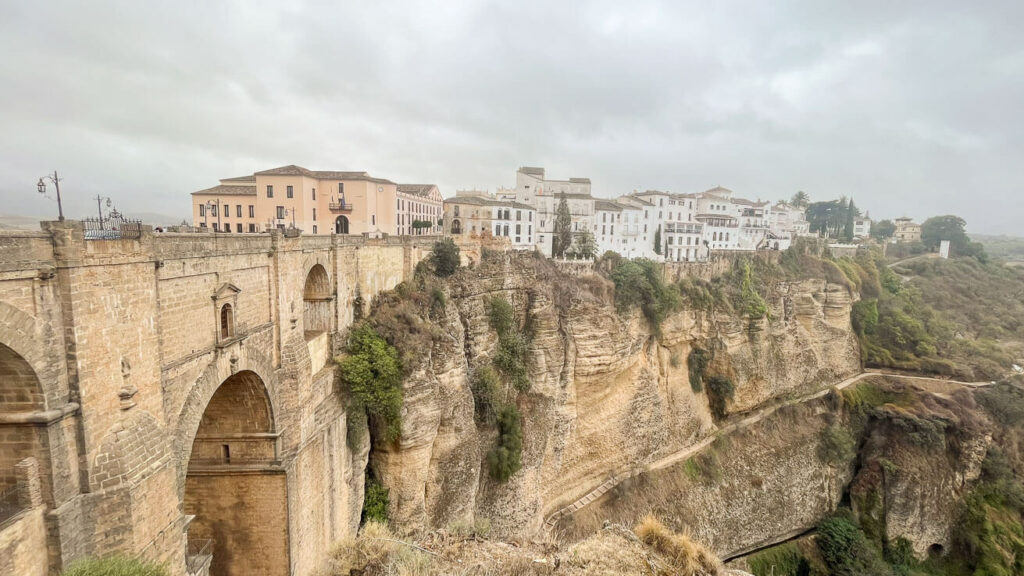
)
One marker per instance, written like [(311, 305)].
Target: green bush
[(754, 305), (501, 315), (513, 348), (375, 502), (838, 447), (846, 550), (486, 394), (445, 257), (639, 283), (720, 393), (505, 459), (372, 372), (116, 565), (697, 362), (864, 316)]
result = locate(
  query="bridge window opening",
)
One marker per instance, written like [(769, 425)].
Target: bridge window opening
[(234, 456), (316, 301), (227, 322)]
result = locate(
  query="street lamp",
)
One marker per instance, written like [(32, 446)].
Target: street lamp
[(210, 204), (41, 187)]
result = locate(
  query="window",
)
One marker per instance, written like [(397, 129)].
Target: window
[(252, 211), (314, 193), (314, 215), (519, 230), (227, 322), (202, 224), (280, 212), (202, 209), (373, 219), (270, 191), (252, 228), (602, 230), (341, 189), (215, 227), (238, 227), (456, 211), (519, 215), (314, 228), (506, 229), (289, 192), (213, 209), (227, 210), (238, 211), (530, 214)]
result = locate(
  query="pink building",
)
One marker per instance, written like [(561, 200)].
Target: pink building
[(318, 202)]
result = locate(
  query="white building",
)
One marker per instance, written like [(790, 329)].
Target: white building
[(862, 227), (533, 189), (475, 212), (720, 217)]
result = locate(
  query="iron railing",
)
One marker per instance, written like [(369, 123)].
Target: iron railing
[(112, 229), (198, 555), (11, 502), (342, 206)]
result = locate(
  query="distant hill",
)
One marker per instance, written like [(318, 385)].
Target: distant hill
[(1008, 248), (18, 223)]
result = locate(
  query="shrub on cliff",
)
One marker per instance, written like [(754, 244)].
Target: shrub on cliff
[(513, 347), (372, 373), (696, 363), (846, 550), (838, 447), (639, 283), (375, 501), (720, 393), (486, 394), (115, 565), (445, 257), (505, 459)]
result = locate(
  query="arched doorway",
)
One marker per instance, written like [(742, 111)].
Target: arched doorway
[(316, 301), (235, 486), (456, 227), (20, 392), (341, 225)]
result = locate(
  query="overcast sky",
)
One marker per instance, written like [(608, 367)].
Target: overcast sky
[(911, 108)]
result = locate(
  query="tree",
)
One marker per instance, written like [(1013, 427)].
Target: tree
[(586, 246), (505, 459), (562, 237), (851, 213), (445, 257), (823, 217), (883, 229), (657, 241), (939, 228), (800, 200)]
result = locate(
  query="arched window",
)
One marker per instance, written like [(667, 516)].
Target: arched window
[(227, 322), (341, 225), (456, 227), (316, 297)]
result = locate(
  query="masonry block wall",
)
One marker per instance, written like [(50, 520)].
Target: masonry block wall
[(111, 352)]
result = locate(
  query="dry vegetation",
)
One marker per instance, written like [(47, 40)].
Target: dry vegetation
[(465, 551)]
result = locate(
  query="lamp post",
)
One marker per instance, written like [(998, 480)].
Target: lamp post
[(99, 207), (41, 187), (209, 205)]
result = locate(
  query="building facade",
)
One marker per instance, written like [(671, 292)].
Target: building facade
[(906, 230), (317, 202), (475, 212)]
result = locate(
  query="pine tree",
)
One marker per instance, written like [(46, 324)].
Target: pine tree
[(562, 237), (657, 241), (851, 213)]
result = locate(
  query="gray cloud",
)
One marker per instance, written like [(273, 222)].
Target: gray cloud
[(911, 108)]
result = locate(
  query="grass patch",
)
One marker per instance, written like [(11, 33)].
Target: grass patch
[(684, 556), (115, 565)]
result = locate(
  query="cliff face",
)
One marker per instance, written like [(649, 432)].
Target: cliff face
[(606, 395)]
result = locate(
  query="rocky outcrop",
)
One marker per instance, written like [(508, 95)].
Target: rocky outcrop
[(606, 395)]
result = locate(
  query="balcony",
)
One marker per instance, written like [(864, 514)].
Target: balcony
[(342, 206)]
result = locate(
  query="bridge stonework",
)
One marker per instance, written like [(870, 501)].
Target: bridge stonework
[(111, 353)]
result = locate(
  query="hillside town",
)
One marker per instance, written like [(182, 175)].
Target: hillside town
[(653, 224)]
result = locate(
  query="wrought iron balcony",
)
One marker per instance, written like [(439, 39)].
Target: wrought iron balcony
[(341, 206)]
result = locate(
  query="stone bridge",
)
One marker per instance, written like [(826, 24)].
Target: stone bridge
[(176, 391)]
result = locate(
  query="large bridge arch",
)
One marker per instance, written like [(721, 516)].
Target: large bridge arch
[(234, 487), (25, 336)]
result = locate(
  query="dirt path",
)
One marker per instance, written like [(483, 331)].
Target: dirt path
[(616, 478)]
